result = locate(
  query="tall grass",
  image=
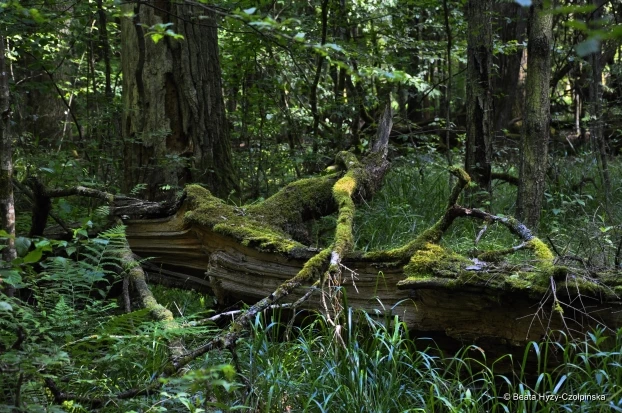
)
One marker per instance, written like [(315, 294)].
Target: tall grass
[(377, 368), (576, 217)]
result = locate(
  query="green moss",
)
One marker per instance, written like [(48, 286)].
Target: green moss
[(494, 256), (213, 213), (297, 202), (402, 254), (342, 192), (519, 281), (559, 272), (347, 160), (314, 267), (434, 260), (460, 173), (540, 250)]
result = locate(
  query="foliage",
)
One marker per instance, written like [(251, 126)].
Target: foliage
[(63, 327), (301, 81), (370, 365)]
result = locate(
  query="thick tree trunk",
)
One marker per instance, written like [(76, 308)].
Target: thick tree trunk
[(479, 93), (7, 205), (174, 121), (536, 125)]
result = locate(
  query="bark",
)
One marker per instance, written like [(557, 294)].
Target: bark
[(595, 108), (448, 84), (7, 204), (248, 254), (174, 122), (536, 125), (510, 22), (316, 79), (479, 93), (105, 47)]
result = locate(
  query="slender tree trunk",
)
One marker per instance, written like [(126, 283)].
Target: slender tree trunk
[(7, 205), (479, 92), (536, 125), (316, 79), (448, 84), (508, 100), (174, 122), (595, 108), (104, 46)]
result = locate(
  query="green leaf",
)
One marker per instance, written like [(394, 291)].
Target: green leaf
[(12, 277), (156, 37), (22, 245), (334, 47), (33, 256)]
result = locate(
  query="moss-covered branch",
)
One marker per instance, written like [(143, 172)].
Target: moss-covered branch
[(136, 276), (433, 234)]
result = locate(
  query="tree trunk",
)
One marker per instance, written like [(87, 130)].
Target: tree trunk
[(7, 205), (536, 125), (508, 98), (479, 93), (595, 109), (174, 122)]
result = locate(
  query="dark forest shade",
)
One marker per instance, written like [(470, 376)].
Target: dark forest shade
[(479, 125)]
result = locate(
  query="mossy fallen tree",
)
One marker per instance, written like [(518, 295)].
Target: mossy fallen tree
[(260, 251), (261, 254), (482, 298)]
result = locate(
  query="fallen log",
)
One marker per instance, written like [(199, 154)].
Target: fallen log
[(430, 288), (259, 253)]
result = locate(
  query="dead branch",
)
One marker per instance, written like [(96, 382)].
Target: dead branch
[(505, 177)]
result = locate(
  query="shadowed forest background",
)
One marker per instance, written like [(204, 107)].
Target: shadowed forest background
[(276, 206)]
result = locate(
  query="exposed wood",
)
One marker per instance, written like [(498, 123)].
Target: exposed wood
[(475, 310)]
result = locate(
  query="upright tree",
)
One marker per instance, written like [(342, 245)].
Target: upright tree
[(7, 205), (537, 116), (174, 121), (596, 62), (510, 22), (479, 99)]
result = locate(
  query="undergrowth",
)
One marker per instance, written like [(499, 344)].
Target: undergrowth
[(377, 368), (575, 217), (62, 325)]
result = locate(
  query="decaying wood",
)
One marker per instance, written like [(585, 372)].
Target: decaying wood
[(252, 254), (476, 310), (256, 254)]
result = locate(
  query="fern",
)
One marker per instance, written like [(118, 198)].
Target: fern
[(64, 307)]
